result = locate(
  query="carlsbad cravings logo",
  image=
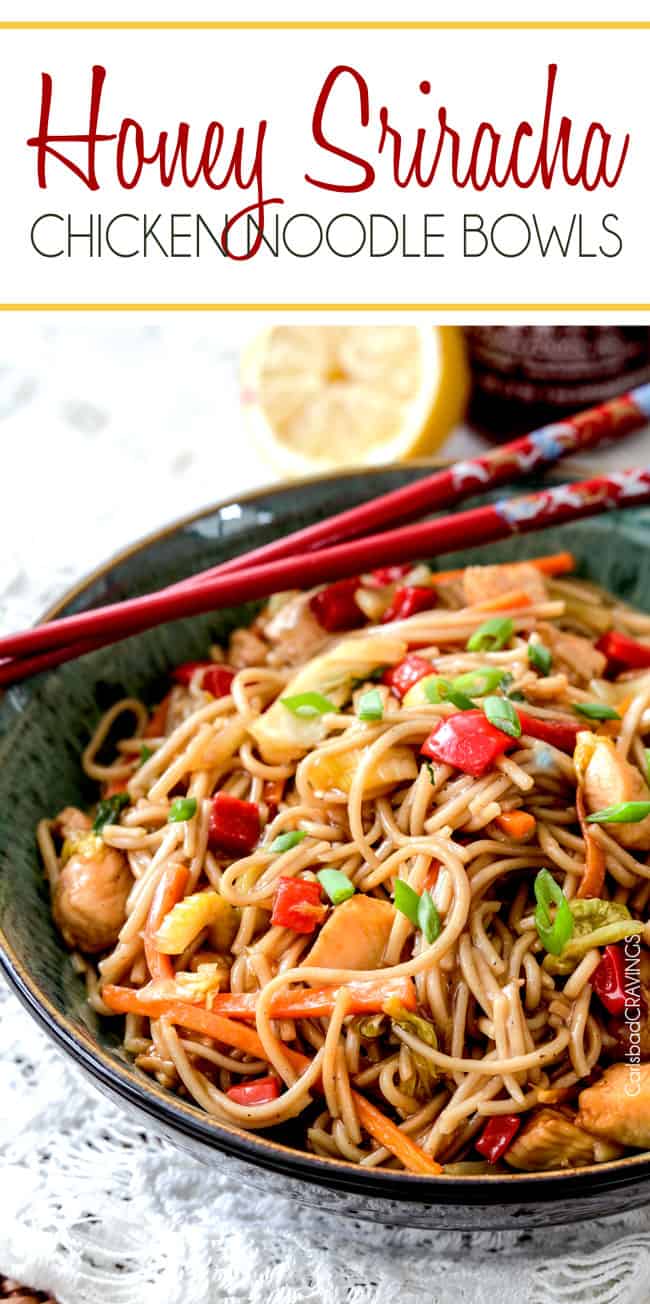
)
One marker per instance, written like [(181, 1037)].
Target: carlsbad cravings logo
[(432, 156)]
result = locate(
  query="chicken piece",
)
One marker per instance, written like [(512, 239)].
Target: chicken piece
[(295, 633), (354, 936), (71, 820), (618, 1107), (482, 582), (573, 654), (246, 648), (608, 779), (89, 900), (551, 1139)]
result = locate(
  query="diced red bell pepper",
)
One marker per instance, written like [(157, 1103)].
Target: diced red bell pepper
[(298, 904), (258, 1092), (234, 824), (468, 741), (624, 653), (559, 733), (499, 1132), (406, 673), (335, 607), (408, 600), (215, 679), (609, 982), (378, 579)]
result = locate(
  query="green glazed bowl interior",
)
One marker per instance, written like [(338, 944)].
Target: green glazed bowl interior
[(46, 722)]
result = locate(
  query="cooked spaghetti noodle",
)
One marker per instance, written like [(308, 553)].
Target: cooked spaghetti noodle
[(344, 873)]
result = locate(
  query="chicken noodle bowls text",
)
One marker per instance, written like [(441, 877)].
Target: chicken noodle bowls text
[(380, 866)]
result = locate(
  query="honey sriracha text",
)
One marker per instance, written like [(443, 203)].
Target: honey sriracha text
[(360, 177)]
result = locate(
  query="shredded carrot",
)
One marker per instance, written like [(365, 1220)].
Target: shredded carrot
[(517, 824), (124, 1000), (310, 1003), (557, 563), (612, 728), (593, 879), (158, 720), (272, 792), (386, 1134), (505, 601), (432, 876), (170, 890)]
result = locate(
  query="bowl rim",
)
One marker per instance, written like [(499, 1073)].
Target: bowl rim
[(176, 1115)]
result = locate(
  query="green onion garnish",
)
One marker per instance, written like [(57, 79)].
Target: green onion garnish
[(370, 705), (476, 683), (109, 809), (553, 933), (182, 808), (337, 885), (308, 704), (492, 635), (407, 901), (438, 690), (595, 710), (628, 812), (501, 713), (285, 841), (540, 657), (145, 753), (419, 910), (428, 918)]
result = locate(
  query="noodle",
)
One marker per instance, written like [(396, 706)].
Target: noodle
[(223, 808)]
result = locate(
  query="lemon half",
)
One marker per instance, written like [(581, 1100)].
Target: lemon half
[(317, 397)]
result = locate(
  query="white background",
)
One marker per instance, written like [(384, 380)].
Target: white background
[(237, 77)]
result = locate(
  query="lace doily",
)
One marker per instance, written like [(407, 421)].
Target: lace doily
[(95, 1210)]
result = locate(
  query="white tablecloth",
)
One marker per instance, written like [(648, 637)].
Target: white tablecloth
[(110, 427)]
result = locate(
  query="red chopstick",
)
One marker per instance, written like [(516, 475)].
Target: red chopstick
[(509, 462), (428, 538), (611, 420)]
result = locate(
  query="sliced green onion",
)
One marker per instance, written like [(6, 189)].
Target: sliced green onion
[(441, 690), (308, 704), (476, 683), (285, 841), (337, 885), (595, 710), (370, 705), (553, 933), (428, 918), (430, 771), (492, 635), (109, 809), (629, 812), (540, 657), (182, 808), (145, 753), (501, 713), (407, 901)]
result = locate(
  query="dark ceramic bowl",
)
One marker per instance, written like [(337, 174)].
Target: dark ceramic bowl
[(44, 725)]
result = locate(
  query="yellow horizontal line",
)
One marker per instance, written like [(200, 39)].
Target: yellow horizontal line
[(324, 307), (604, 25)]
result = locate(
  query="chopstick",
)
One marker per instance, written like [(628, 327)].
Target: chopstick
[(407, 543), (444, 488), (611, 420)]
